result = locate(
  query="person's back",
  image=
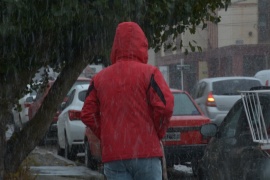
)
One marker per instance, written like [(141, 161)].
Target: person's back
[(129, 103)]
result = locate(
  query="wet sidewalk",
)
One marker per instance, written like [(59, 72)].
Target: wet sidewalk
[(47, 165), (62, 172)]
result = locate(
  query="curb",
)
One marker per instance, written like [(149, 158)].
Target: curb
[(69, 172)]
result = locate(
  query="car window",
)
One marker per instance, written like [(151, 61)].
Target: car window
[(79, 83), (70, 98), (82, 95), (229, 125), (33, 93), (201, 89), (183, 105), (233, 86)]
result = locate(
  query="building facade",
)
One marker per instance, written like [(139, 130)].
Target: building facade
[(238, 46)]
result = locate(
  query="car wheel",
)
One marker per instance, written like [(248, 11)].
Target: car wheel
[(60, 151), (43, 140), (194, 166), (69, 152), (89, 161)]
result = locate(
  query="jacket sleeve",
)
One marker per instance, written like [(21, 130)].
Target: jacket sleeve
[(162, 101), (90, 114)]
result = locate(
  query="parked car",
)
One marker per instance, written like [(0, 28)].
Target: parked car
[(70, 129), (239, 147), (92, 150), (182, 142), (20, 111), (34, 104), (80, 80), (264, 76), (11, 126), (216, 96)]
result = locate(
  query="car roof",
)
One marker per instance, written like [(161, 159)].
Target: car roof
[(83, 79), (176, 90), (81, 87), (228, 78), (265, 71)]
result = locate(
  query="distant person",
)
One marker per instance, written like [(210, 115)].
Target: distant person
[(128, 107)]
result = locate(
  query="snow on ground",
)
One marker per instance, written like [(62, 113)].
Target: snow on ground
[(183, 168)]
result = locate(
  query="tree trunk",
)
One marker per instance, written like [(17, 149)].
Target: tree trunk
[(22, 143), (4, 120), (2, 145)]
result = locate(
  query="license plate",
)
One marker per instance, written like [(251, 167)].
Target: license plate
[(172, 136)]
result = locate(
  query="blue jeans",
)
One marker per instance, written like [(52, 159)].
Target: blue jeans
[(134, 169)]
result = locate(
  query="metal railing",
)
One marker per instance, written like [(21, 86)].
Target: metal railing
[(255, 116)]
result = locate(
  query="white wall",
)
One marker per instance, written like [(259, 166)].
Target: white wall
[(238, 24), (151, 57), (200, 37)]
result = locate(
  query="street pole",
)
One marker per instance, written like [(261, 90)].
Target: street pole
[(182, 74)]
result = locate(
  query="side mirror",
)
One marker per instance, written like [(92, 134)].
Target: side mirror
[(209, 130)]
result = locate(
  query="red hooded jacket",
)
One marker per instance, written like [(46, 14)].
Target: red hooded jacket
[(129, 104)]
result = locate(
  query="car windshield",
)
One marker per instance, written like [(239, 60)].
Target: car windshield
[(183, 105), (233, 86), (79, 82)]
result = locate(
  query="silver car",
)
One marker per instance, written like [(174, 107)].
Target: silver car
[(216, 96)]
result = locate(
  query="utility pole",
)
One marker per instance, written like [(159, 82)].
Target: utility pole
[(182, 67), (182, 74)]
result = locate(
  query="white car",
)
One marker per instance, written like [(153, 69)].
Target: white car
[(70, 128), (217, 95), (264, 76)]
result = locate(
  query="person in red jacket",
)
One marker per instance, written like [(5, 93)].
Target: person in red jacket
[(128, 107)]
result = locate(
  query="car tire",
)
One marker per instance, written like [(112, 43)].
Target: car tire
[(69, 152), (60, 151), (90, 162)]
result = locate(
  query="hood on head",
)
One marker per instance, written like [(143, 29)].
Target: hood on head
[(130, 43)]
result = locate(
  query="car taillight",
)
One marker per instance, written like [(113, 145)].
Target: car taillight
[(210, 101), (74, 115)]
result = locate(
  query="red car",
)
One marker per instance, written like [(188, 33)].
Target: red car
[(36, 103), (92, 150), (182, 143)]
